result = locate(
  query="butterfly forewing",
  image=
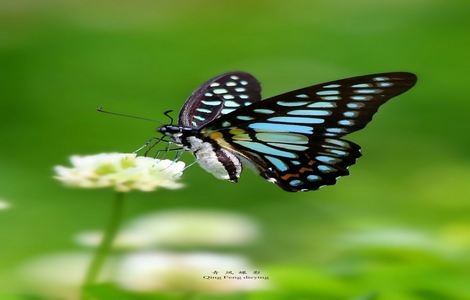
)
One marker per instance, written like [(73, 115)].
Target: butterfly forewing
[(294, 138), (329, 109), (219, 96)]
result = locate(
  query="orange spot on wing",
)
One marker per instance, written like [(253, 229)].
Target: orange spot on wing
[(311, 162), (304, 169), (287, 176)]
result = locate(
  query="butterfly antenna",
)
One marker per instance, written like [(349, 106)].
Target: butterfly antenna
[(167, 113), (100, 109)]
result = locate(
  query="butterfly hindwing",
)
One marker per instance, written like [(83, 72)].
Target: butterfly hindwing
[(322, 164), (293, 161), (219, 96), (294, 139)]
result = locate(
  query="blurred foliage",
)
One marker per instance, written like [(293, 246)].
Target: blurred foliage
[(62, 59)]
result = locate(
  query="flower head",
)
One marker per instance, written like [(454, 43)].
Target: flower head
[(187, 228), (196, 228), (121, 171), (149, 272), (59, 275), (4, 204)]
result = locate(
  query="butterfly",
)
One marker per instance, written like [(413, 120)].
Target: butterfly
[(294, 140)]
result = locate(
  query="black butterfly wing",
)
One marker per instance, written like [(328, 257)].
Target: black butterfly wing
[(294, 138), (219, 96)]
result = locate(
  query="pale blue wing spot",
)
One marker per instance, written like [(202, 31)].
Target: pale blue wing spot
[(304, 96), (313, 178), (214, 84), (240, 89), (289, 146), (362, 98), (368, 91), (332, 86), (243, 96), (355, 105), (328, 92), (309, 112), (293, 103), (204, 110), (326, 169), (282, 127), (208, 94), (263, 111), (381, 78), (231, 83), (351, 114), (331, 98), (234, 77), (322, 105), (247, 103), (292, 138), (338, 143), (338, 152), (297, 120), (295, 182), (220, 91), (245, 118), (265, 149), (384, 84), (231, 104), (279, 164), (211, 103), (227, 110), (199, 118), (336, 130), (346, 122), (243, 82), (327, 159), (295, 162), (226, 124), (193, 123), (362, 85), (228, 96)]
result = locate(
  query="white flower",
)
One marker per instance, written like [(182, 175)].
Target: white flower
[(390, 237), (196, 228), (60, 275), (180, 228), (4, 204), (124, 240), (152, 272), (122, 171)]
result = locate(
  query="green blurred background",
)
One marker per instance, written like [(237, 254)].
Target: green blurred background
[(397, 228)]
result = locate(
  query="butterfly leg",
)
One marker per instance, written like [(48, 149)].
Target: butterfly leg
[(179, 149), (190, 165), (158, 140), (165, 150), (144, 145), (178, 154)]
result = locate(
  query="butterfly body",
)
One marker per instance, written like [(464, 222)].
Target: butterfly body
[(220, 162), (293, 140)]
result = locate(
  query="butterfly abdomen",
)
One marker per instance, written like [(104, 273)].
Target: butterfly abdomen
[(214, 159)]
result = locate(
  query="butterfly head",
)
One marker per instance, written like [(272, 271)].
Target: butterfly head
[(176, 132)]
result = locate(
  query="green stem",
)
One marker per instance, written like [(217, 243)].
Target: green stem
[(105, 246)]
